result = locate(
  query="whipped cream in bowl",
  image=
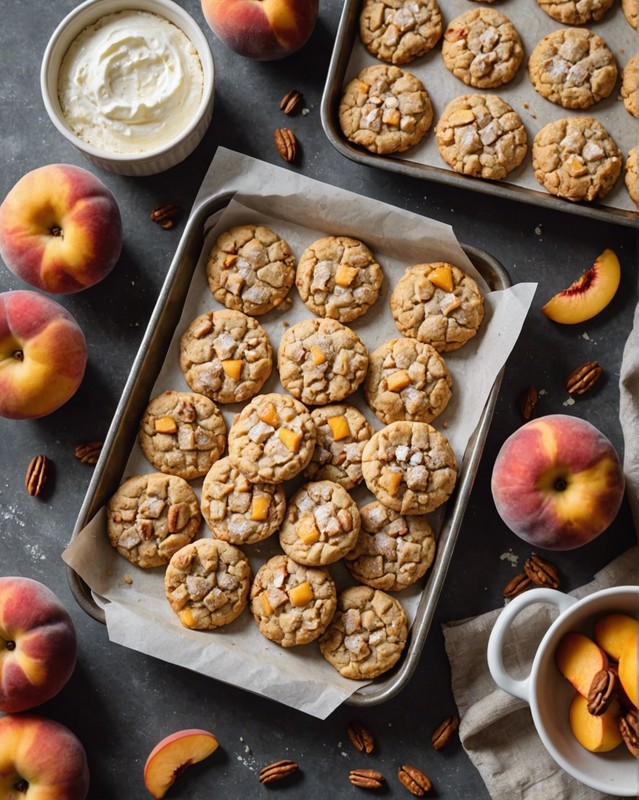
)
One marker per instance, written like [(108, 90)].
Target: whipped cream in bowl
[(129, 83)]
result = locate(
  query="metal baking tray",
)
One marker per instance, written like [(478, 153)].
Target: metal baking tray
[(423, 161), (122, 436)]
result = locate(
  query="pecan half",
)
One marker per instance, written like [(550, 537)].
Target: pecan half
[(277, 770), (366, 778), (444, 732), (629, 727), (414, 780), (541, 572), (286, 143), (165, 215), (89, 452), (603, 689), (583, 378), (528, 402), (37, 473), (361, 737), (517, 585), (291, 101)]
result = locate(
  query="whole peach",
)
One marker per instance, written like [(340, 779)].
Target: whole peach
[(38, 645), (60, 229), (43, 355), (557, 482), (41, 759), (262, 29)]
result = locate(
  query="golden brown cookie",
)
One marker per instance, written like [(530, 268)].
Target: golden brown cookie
[(291, 603), (575, 12), (631, 177), (630, 10), (576, 158), (250, 269), (399, 31), (482, 48), (207, 584), (630, 86), (182, 433), (385, 109)]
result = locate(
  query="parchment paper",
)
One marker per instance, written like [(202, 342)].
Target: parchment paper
[(301, 210)]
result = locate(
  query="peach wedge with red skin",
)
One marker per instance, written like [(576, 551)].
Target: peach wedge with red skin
[(42, 759), (557, 482), (579, 659), (612, 631), (588, 295), (60, 229), (43, 355), (38, 644), (173, 755), (262, 29)]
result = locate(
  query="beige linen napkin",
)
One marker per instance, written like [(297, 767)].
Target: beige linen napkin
[(496, 729), (629, 415)]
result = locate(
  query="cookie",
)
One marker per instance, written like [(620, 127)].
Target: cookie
[(342, 432), (575, 12), (272, 439), (292, 604), (150, 517), (385, 110), (438, 304), (392, 552), (631, 177), (238, 511), (399, 31), (250, 269), (482, 48), (410, 467), (630, 10), (338, 277), (576, 158), (321, 524), (225, 355), (481, 135), (182, 433), (573, 68), (367, 634), (407, 379), (321, 361), (207, 584), (630, 86)]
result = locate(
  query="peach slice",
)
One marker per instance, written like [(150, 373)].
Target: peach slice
[(612, 632), (588, 295), (629, 668), (597, 734), (173, 755), (579, 659)]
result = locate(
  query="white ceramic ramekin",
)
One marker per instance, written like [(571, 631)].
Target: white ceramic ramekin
[(548, 693), (151, 161)]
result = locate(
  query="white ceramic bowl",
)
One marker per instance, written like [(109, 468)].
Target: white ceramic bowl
[(549, 694), (150, 161)]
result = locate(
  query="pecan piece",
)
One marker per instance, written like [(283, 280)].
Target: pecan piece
[(444, 732), (541, 572), (165, 215), (286, 143), (361, 737), (37, 473), (277, 770), (516, 586), (291, 101), (89, 452), (414, 780), (583, 378), (602, 691), (366, 778), (528, 402), (629, 727)]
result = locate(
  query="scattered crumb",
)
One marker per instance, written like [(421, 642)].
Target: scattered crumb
[(538, 230), (543, 391), (306, 112), (509, 556), (285, 323), (444, 424), (569, 402), (585, 336), (128, 579)]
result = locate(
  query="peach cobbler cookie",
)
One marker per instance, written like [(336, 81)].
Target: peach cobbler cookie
[(291, 603), (575, 12), (272, 439), (152, 516), (207, 584), (630, 86), (399, 31), (367, 634)]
